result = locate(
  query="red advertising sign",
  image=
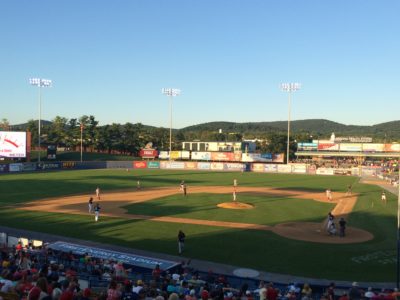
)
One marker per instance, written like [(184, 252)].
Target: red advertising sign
[(139, 164), (328, 146), (148, 153)]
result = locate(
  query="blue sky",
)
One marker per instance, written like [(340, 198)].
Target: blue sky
[(111, 59)]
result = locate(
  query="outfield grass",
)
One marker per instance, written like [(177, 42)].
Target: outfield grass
[(371, 261)]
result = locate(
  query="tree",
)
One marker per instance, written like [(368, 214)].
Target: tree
[(32, 127), (58, 133), (73, 137), (4, 124)]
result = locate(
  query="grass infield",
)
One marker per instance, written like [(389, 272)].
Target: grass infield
[(262, 250)]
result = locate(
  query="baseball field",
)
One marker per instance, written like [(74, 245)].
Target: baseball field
[(281, 230)]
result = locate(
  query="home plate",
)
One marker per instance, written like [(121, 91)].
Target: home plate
[(247, 273)]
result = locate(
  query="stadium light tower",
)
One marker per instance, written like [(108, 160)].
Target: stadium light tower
[(289, 87), (398, 228), (39, 82), (171, 93)]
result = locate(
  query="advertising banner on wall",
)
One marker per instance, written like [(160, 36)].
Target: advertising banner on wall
[(29, 167), (351, 147), (12, 144), (217, 166), (270, 168), (355, 171), (172, 164), (203, 166), (148, 153), (307, 146), (284, 168), (312, 169), (176, 154), (373, 147), (299, 168), (256, 157), (392, 148), (185, 154), (257, 167), (328, 146), (278, 158), (153, 164), (163, 155), (233, 166), (369, 171), (201, 155), (68, 165), (50, 165), (222, 156), (90, 165), (237, 155), (324, 171), (139, 164), (110, 164), (16, 167), (3, 168), (190, 165), (104, 254)]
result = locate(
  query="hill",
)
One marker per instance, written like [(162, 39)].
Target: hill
[(318, 128), (315, 127)]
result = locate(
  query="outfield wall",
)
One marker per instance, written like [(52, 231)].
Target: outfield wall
[(191, 165)]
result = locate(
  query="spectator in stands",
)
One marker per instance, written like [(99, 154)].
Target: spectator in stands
[(113, 293), (24, 263), (355, 292), (174, 296), (272, 292), (18, 248), (156, 273), (24, 285), (68, 290), (306, 292), (139, 286), (44, 290), (331, 291), (34, 293), (6, 282), (56, 293), (262, 291), (369, 293), (127, 293), (53, 274), (204, 295), (85, 294), (119, 271)]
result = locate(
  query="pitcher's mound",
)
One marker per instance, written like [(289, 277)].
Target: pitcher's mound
[(235, 205)]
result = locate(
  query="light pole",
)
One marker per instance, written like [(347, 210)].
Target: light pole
[(289, 87), (171, 93), (81, 138), (398, 228), (39, 82)]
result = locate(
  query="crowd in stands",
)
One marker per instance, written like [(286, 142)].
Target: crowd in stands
[(43, 274)]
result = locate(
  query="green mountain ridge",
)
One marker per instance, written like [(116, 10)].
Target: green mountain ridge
[(316, 128)]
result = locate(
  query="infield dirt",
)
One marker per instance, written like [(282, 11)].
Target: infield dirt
[(113, 202)]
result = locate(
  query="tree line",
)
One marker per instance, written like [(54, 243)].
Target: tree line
[(129, 138)]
